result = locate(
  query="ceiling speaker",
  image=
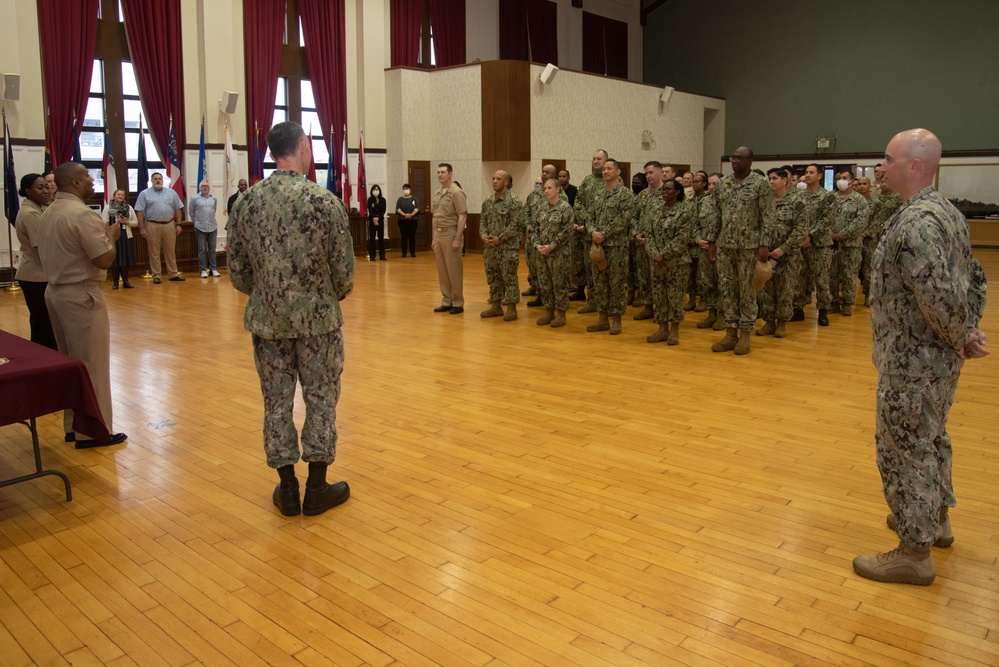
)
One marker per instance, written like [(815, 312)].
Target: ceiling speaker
[(11, 87), (549, 73)]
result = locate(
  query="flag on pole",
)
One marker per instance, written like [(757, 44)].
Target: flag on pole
[(110, 178), (77, 157), (202, 158), (11, 204), (362, 184), (230, 183), (312, 160), (47, 165), (330, 162), (142, 173), (173, 164), (344, 173)]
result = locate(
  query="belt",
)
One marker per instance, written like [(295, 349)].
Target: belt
[(86, 283), (160, 222)]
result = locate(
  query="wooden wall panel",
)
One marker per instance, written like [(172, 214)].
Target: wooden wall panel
[(506, 110)]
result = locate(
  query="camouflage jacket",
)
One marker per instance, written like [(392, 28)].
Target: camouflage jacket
[(669, 233), (821, 215), (647, 202), (791, 226), (584, 197), (882, 208), (705, 215), (289, 248), (611, 214), (927, 291), (745, 213), (535, 203), (505, 218), (852, 214), (554, 225)]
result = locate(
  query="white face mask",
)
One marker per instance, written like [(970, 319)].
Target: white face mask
[(405, 193), (802, 185), (537, 185), (842, 184)]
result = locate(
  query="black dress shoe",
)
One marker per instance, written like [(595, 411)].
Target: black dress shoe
[(328, 496), (534, 303), (114, 285), (442, 309), (70, 437), (286, 499), (128, 285), (823, 319), (456, 310), (798, 315), (113, 439), (178, 279)]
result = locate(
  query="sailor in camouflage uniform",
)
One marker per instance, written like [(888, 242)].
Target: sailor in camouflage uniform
[(607, 224), (883, 207), (852, 215), (927, 297), (534, 203), (705, 218), (817, 252), (776, 299), (740, 239), (582, 268), (501, 228), (552, 238), (649, 202), (667, 245), (289, 248)]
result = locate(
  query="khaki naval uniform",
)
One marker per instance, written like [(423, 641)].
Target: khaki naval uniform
[(31, 275), (71, 236), (446, 206)]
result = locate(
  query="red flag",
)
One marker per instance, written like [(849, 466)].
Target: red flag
[(312, 160), (344, 173), (362, 185)]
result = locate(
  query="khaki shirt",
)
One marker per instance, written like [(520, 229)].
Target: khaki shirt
[(447, 205), (70, 237), (28, 220)]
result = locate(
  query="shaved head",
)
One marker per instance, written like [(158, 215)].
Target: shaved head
[(911, 161), (67, 172)]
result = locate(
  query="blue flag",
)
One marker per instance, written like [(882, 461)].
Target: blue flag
[(142, 177), (331, 160), (202, 159), (11, 204)]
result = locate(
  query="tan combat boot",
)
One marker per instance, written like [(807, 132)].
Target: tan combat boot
[(600, 325), (615, 325), (901, 565), (742, 347), (709, 320), (846, 310), (691, 304), (674, 334), (945, 536), (719, 324), (767, 329), (511, 313), (559, 320), (701, 306), (727, 343), (646, 313), (658, 336), (588, 307), (779, 330), (494, 310), (547, 317)]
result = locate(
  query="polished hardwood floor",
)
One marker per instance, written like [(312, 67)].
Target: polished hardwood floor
[(521, 496)]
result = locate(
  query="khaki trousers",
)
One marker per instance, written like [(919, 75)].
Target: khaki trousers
[(449, 270), (162, 235), (82, 330)]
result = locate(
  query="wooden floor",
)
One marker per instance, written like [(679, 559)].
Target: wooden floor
[(521, 496)]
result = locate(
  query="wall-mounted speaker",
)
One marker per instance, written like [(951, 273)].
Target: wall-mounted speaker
[(578, 4), (11, 87), (549, 73), (228, 102), (666, 94)]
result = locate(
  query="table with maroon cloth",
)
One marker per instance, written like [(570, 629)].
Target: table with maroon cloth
[(36, 381)]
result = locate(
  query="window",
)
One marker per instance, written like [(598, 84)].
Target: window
[(133, 116), (302, 111), (91, 128)]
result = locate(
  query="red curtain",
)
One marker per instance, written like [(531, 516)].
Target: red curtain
[(154, 42), (513, 37), (605, 46), (325, 28), (406, 21), (543, 31), (68, 36), (263, 36), (616, 44), (447, 18)]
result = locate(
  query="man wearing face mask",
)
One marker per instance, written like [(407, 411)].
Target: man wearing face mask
[(159, 212), (533, 207), (408, 211), (816, 251), (851, 220), (582, 270)]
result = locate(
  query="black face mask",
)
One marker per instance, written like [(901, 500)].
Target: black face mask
[(636, 188)]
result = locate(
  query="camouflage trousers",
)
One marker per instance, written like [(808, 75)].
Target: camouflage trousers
[(735, 277), (914, 452), (610, 286), (501, 273), (843, 277), (695, 258), (531, 255), (643, 278), (553, 271), (707, 280), (816, 265), (633, 251), (669, 279), (579, 273), (776, 299), (870, 245), (316, 362)]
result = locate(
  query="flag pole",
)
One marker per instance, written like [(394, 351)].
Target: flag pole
[(13, 286)]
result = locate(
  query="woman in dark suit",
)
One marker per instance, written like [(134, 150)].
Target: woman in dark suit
[(376, 224)]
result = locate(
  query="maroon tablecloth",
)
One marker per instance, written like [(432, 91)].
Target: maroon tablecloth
[(38, 381)]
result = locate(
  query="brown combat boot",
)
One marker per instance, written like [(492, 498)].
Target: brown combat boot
[(901, 565), (742, 347), (674, 334), (691, 304), (547, 317), (727, 343), (588, 307), (494, 310), (709, 320), (945, 536), (646, 313), (767, 329), (615, 325), (658, 336), (833, 308), (867, 301), (719, 324), (511, 313), (779, 330), (559, 320), (701, 306), (846, 310), (600, 325)]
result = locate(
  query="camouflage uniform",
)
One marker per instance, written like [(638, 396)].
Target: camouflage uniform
[(289, 248), (791, 227), (745, 222), (705, 217), (505, 218), (554, 228), (648, 204), (611, 214), (852, 215), (927, 292), (582, 270), (883, 207), (817, 259), (692, 287), (669, 235)]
